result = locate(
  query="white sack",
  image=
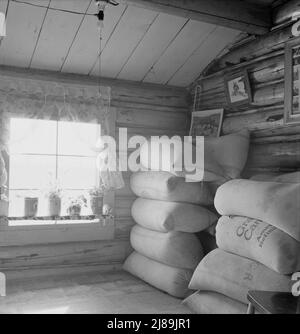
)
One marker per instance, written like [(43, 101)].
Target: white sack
[(275, 203), (204, 302), (172, 280), (233, 276), (224, 157), (165, 216), (176, 249), (259, 241), (164, 186)]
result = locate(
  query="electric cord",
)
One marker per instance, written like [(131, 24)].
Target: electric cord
[(111, 2)]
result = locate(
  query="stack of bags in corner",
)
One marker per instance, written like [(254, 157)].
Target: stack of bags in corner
[(259, 244), (168, 213)]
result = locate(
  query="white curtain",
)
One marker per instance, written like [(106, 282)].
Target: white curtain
[(37, 99)]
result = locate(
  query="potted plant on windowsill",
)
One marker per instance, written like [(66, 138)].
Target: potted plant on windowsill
[(3, 202), (3, 189), (96, 199), (54, 202), (75, 206)]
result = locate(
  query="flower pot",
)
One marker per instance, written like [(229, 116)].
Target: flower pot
[(74, 210), (30, 206), (54, 206), (3, 208), (96, 203)]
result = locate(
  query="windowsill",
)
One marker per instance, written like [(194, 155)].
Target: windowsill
[(61, 220), (19, 232), (45, 223)]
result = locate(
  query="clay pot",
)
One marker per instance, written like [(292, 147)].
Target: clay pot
[(74, 210), (54, 206), (96, 203), (30, 206)]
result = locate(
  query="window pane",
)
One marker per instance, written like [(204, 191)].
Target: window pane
[(31, 172), (77, 172), (77, 138), (32, 136)]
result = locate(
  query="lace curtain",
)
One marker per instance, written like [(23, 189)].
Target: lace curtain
[(62, 102)]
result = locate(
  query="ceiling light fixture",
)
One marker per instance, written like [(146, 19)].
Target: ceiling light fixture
[(101, 6)]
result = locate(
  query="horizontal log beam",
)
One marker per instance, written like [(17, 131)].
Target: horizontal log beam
[(268, 95), (281, 155), (122, 90), (234, 14), (261, 46), (261, 120), (285, 12)]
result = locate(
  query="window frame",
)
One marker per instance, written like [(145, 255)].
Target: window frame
[(101, 228)]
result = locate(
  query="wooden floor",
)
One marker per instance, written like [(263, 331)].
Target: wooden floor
[(107, 293)]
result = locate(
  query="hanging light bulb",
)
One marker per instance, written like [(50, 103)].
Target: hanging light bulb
[(100, 15)]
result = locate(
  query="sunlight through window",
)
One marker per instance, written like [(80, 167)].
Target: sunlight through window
[(45, 153)]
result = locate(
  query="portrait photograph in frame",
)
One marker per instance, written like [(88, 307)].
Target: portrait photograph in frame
[(238, 89), (207, 123)]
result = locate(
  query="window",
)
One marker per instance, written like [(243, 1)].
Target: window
[(44, 153)]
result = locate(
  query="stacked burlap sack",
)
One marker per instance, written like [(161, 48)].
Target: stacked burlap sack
[(211, 160), (170, 210), (168, 213), (259, 244)]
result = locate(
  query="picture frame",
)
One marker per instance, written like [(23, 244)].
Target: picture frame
[(292, 82), (238, 89), (207, 123)]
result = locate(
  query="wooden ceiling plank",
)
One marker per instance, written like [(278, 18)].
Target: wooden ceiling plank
[(56, 37), (85, 49), (203, 56), (79, 6), (160, 35), (43, 3), (233, 14), (129, 32), (179, 51), (18, 46), (75, 37), (138, 44)]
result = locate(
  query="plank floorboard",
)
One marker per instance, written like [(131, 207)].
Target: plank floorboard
[(96, 293)]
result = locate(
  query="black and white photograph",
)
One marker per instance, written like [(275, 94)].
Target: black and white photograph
[(207, 123), (238, 89), (149, 160)]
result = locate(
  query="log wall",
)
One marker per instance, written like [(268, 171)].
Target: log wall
[(274, 146), (143, 109)]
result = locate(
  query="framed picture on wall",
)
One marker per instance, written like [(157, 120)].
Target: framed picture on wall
[(292, 82), (238, 89), (207, 123)]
